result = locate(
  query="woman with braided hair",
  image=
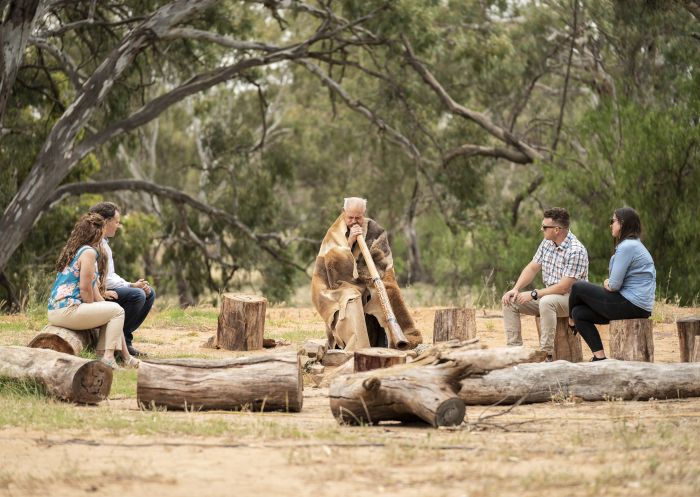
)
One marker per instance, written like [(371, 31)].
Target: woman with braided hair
[(76, 301)]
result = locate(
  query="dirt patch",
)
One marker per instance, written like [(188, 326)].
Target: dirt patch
[(601, 448)]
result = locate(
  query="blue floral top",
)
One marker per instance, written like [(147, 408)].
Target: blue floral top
[(65, 291)]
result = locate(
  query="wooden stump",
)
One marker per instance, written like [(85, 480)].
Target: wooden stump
[(241, 322), (336, 357), (696, 350), (689, 338), (64, 340), (377, 358), (632, 340), (567, 346), (65, 376), (260, 383), (589, 381), (454, 324)]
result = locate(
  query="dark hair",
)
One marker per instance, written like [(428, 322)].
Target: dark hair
[(558, 215), (105, 209), (630, 224)]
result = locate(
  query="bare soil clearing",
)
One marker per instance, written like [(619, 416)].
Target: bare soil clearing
[(564, 447)]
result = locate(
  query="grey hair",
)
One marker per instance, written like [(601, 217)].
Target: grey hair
[(348, 201)]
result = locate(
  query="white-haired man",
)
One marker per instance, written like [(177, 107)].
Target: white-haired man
[(341, 288)]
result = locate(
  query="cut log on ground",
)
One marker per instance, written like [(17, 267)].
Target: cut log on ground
[(241, 322), (454, 324), (689, 338), (377, 358), (336, 357), (632, 340), (64, 340), (567, 346), (65, 376), (591, 381), (262, 383), (415, 390)]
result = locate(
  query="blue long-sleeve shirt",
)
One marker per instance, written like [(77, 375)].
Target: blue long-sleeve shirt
[(633, 274)]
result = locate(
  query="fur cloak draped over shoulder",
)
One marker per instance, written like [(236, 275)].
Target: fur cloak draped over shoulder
[(343, 294)]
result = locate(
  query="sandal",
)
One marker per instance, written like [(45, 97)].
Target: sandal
[(132, 363), (112, 363), (572, 328)]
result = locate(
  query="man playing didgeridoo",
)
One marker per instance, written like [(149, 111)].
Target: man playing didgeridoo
[(342, 290)]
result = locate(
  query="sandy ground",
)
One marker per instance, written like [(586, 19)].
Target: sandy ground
[(557, 448)]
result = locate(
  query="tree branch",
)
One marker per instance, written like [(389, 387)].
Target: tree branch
[(178, 197), (477, 117)]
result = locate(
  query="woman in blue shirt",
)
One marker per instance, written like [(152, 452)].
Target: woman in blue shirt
[(76, 302), (629, 291)]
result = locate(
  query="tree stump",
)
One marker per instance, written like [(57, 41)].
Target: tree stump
[(696, 350), (65, 376), (377, 358), (260, 383), (689, 338), (241, 322), (454, 324), (567, 346), (632, 340), (589, 381), (64, 340)]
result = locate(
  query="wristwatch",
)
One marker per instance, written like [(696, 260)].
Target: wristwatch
[(533, 294)]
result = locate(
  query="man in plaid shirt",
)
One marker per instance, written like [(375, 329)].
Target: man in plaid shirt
[(563, 260)]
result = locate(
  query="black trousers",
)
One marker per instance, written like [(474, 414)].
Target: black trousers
[(590, 304)]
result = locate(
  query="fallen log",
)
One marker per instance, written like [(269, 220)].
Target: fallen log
[(611, 379), (65, 376), (259, 383), (64, 340), (417, 390)]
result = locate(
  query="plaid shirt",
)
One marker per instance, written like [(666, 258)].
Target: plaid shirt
[(568, 259)]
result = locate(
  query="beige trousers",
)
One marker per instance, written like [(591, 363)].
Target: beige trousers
[(108, 316), (548, 308)]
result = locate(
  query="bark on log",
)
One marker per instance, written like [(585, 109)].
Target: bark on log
[(261, 383), (64, 340), (65, 376), (689, 338), (567, 346), (377, 358), (241, 322), (416, 391), (626, 380), (454, 324), (632, 340)]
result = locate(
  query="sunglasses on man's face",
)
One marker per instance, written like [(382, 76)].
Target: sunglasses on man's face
[(545, 227)]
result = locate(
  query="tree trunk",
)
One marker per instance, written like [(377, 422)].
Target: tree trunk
[(262, 383), (454, 324), (377, 358), (241, 322), (689, 338), (14, 34), (424, 389), (567, 346), (589, 381), (64, 340), (632, 340), (67, 377)]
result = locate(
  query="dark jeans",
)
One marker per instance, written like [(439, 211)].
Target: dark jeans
[(590, 304), (136, 307)]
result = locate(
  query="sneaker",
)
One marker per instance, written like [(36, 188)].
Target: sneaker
[(135, 352)]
